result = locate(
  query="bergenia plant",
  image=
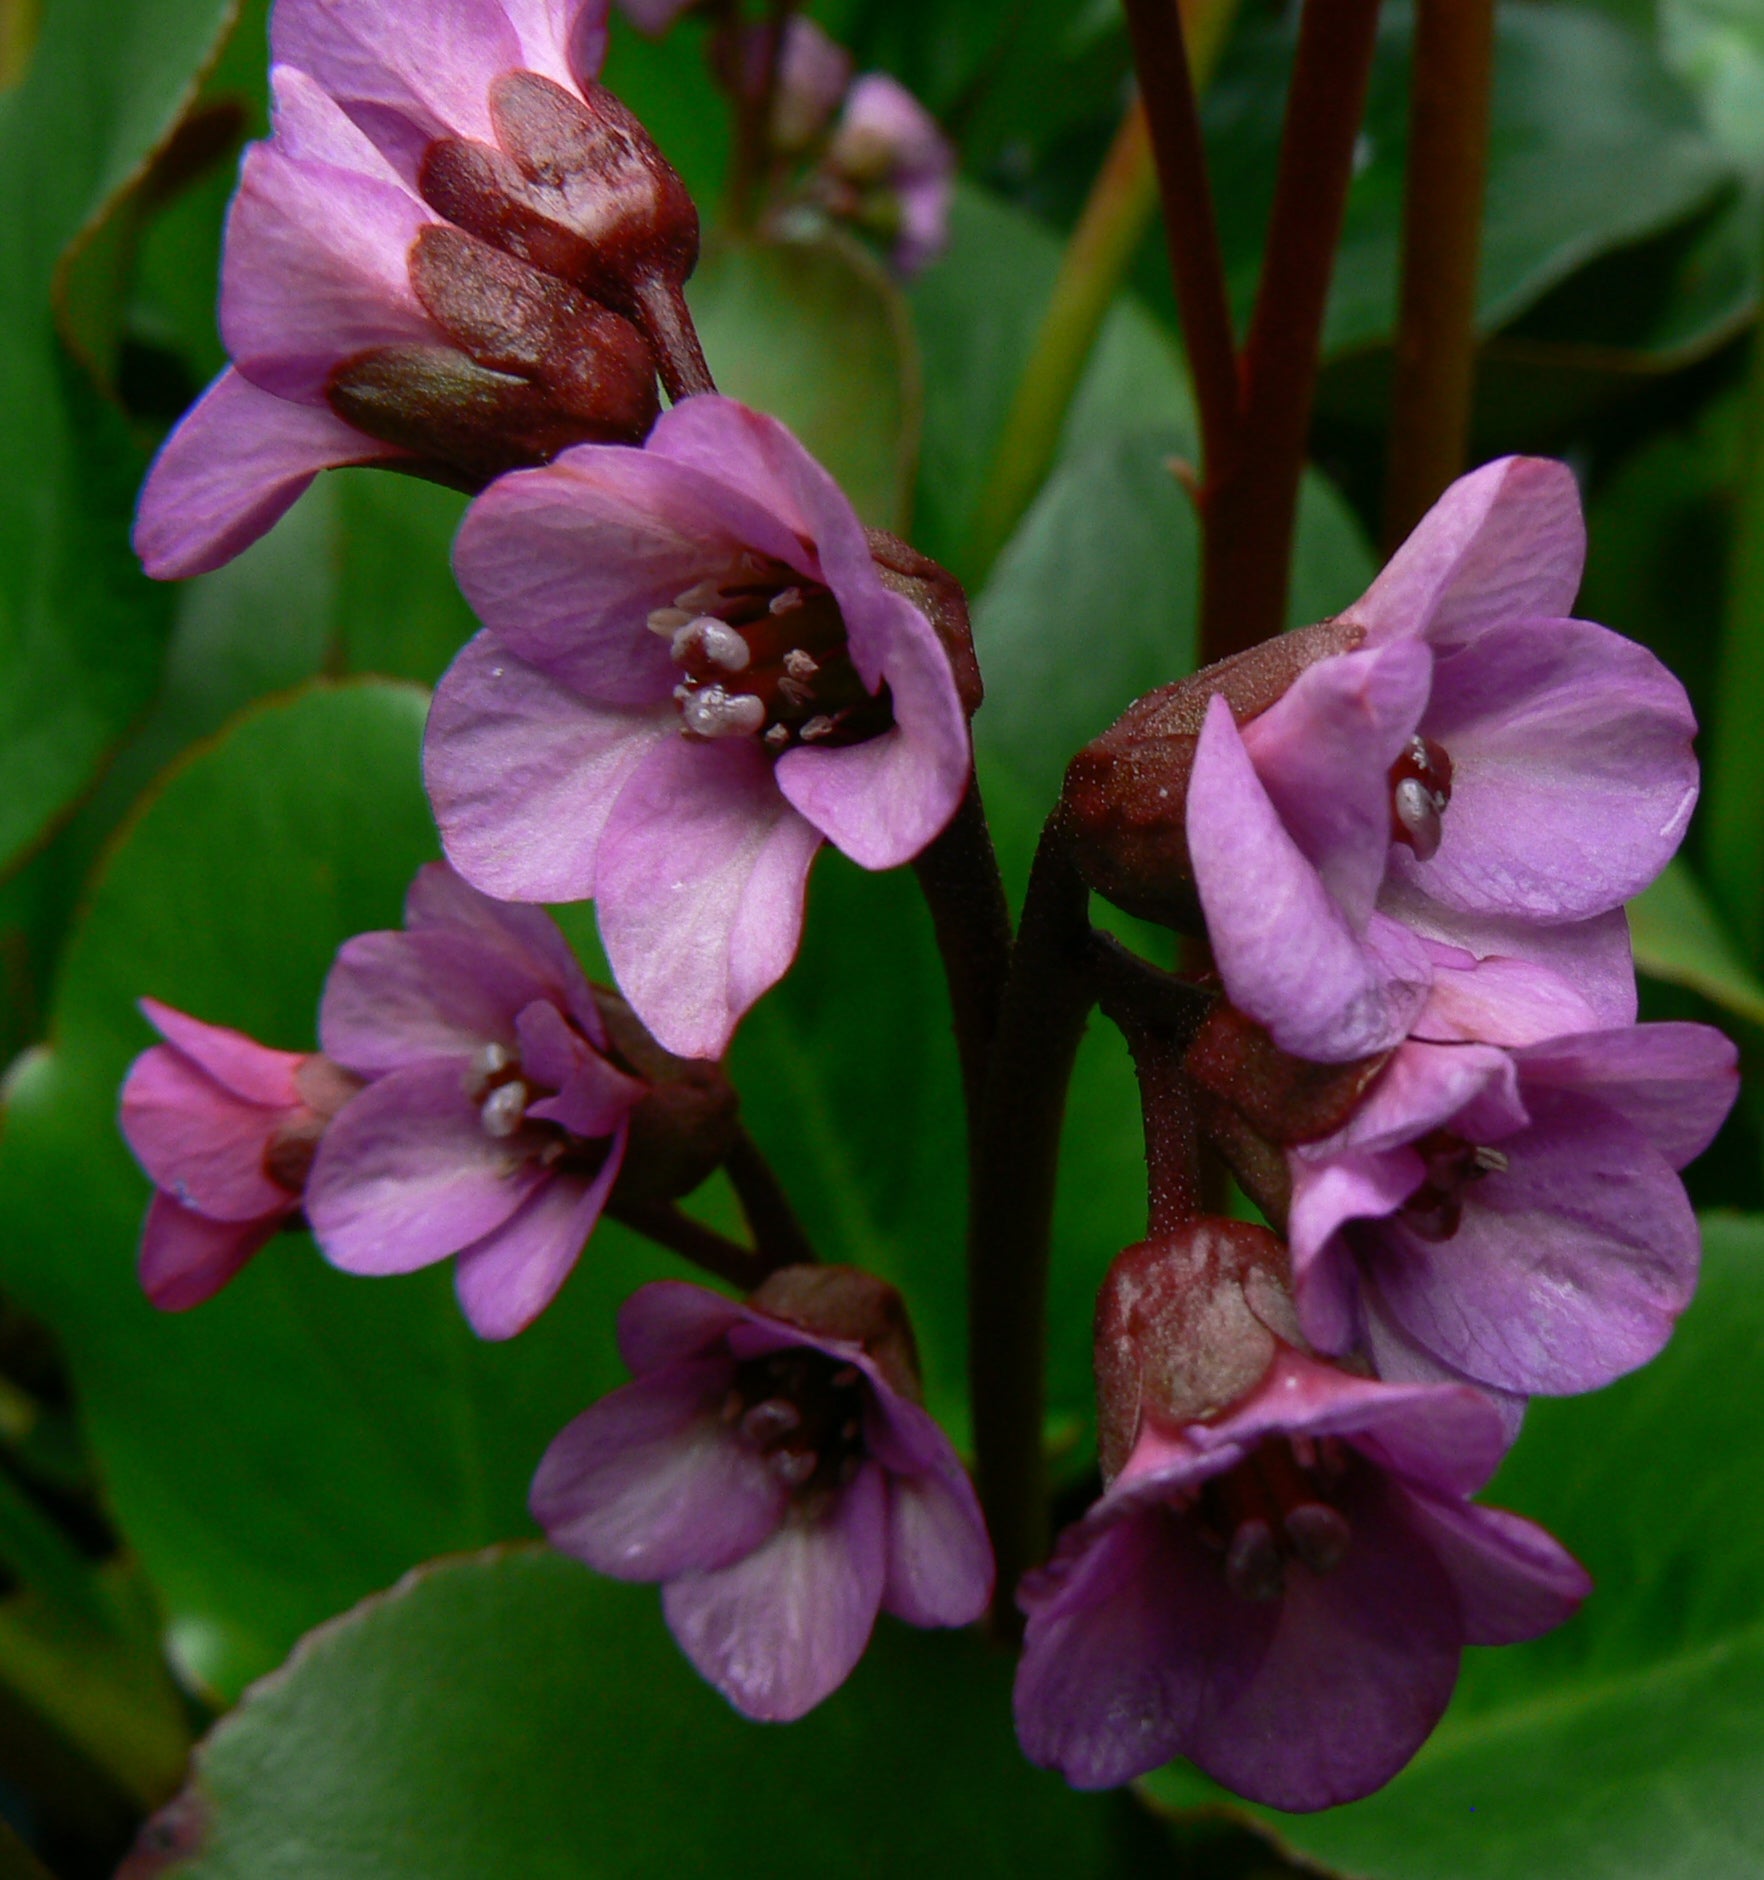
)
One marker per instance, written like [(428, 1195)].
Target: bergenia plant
[(1353, 892)]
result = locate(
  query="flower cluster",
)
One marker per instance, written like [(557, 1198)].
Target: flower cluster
[(1406, 835)]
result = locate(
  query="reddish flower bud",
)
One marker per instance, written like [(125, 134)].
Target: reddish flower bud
[(1185, 1326), (938, 595), (853, 1307), (1126, 792), (1284, 1098)]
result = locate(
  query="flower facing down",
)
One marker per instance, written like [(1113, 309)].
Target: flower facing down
[(371, 312), (226, 1129), (1283, 1594), (1505, 1204), (693, 673), (770, 1465), (493, 1125), (1482, 770)]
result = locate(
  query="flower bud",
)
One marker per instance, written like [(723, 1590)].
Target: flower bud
[(939, 597), (1186, 1324), (845, 1303), (682, 1128), (1283, 1098), (1125, 798)]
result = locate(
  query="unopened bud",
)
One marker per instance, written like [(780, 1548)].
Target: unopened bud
[(1285, 1099), (1124, 806), (939, 597), (846, 1303), (682, 1128), (1186, 1325)]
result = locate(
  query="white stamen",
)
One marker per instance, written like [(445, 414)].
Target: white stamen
[(801, 665), (714, 713), (490, 1059), (777, 739), (793, 1467), (667, 621), (786, 600), (1490, 1161), (1417, 811), (820, 726), (797, 691), (698, 597), (505, 1109), (714, 641)]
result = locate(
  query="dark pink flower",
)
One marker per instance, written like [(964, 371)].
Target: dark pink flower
[(782, 1484), (889, 168), (362, 327), (493, 1124), (1484, 770), (1283, 1594), (693, 674), (1505, 1204), (226, 1129)]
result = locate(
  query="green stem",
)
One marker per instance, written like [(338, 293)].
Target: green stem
[(1108, 235), (1250, 503), (1010, 1230), (1450, 88)]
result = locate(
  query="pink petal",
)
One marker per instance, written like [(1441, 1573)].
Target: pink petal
[(233, 467), (407, 1175), (671, 1320), (565, 563), (1398, 1359), (1675, 1083), (700, 880), (198, 1141), (309, 126), (939, 1558), (1323, 752), (650, 1482), (1505, 542), (1285, 951), (563, 40), (316, 270), (1513, 1580), (508, 1278), (593, 1099), (187, 1258), (782, 1629), (1351, 1186), (758, 458), (1501, 1001), (522, 773), (253, 1072)]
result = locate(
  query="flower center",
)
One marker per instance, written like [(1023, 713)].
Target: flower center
[(1420, 789), (804, 1412), (764, 654), (501, 1089), (1277, 1507), (1435, 1210)]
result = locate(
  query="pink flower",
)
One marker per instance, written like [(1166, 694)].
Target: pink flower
[(1283, 1594), (363, 328), (226, 1129), (693, 674), (1504, 1205), (1483, 771), (889, 167), (782, 1483), (493, 1125)]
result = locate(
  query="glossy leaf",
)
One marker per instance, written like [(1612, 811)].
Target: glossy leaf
[(815, 333), (1678, 937), (305, 1437), (515, 1714), (1625, 1744)]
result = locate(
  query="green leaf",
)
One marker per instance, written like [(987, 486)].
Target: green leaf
[(1626, 1744), (1593, 146), (80, 627), (305, 1437), (815, 333), (1678, 937), (514, 1714)]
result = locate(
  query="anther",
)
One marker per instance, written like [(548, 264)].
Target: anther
[(1487, 1161), (1319, 1535), (777, 739), (820, 726), (801, 665), (490, 1060), (697, 598), (793, 1467), (713, 713), (1417, 811), (505, 1109), (667, 621), (787, 600), (766, 1422), (713, 641), (797, 691), (1252, 1563)]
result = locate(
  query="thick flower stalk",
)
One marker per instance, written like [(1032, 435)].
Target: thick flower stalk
[(771, 1466), (226, 1129), (1280, 1591), (422, 264), (693, 673), (494, 1122)]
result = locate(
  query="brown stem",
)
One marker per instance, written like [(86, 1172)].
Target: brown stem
[(754, 107), (1160, 56), (778, 1235), (667, 324), (716, 1253), (959, 877), (1449, 92), (1251, 506), (1041, 1020)]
